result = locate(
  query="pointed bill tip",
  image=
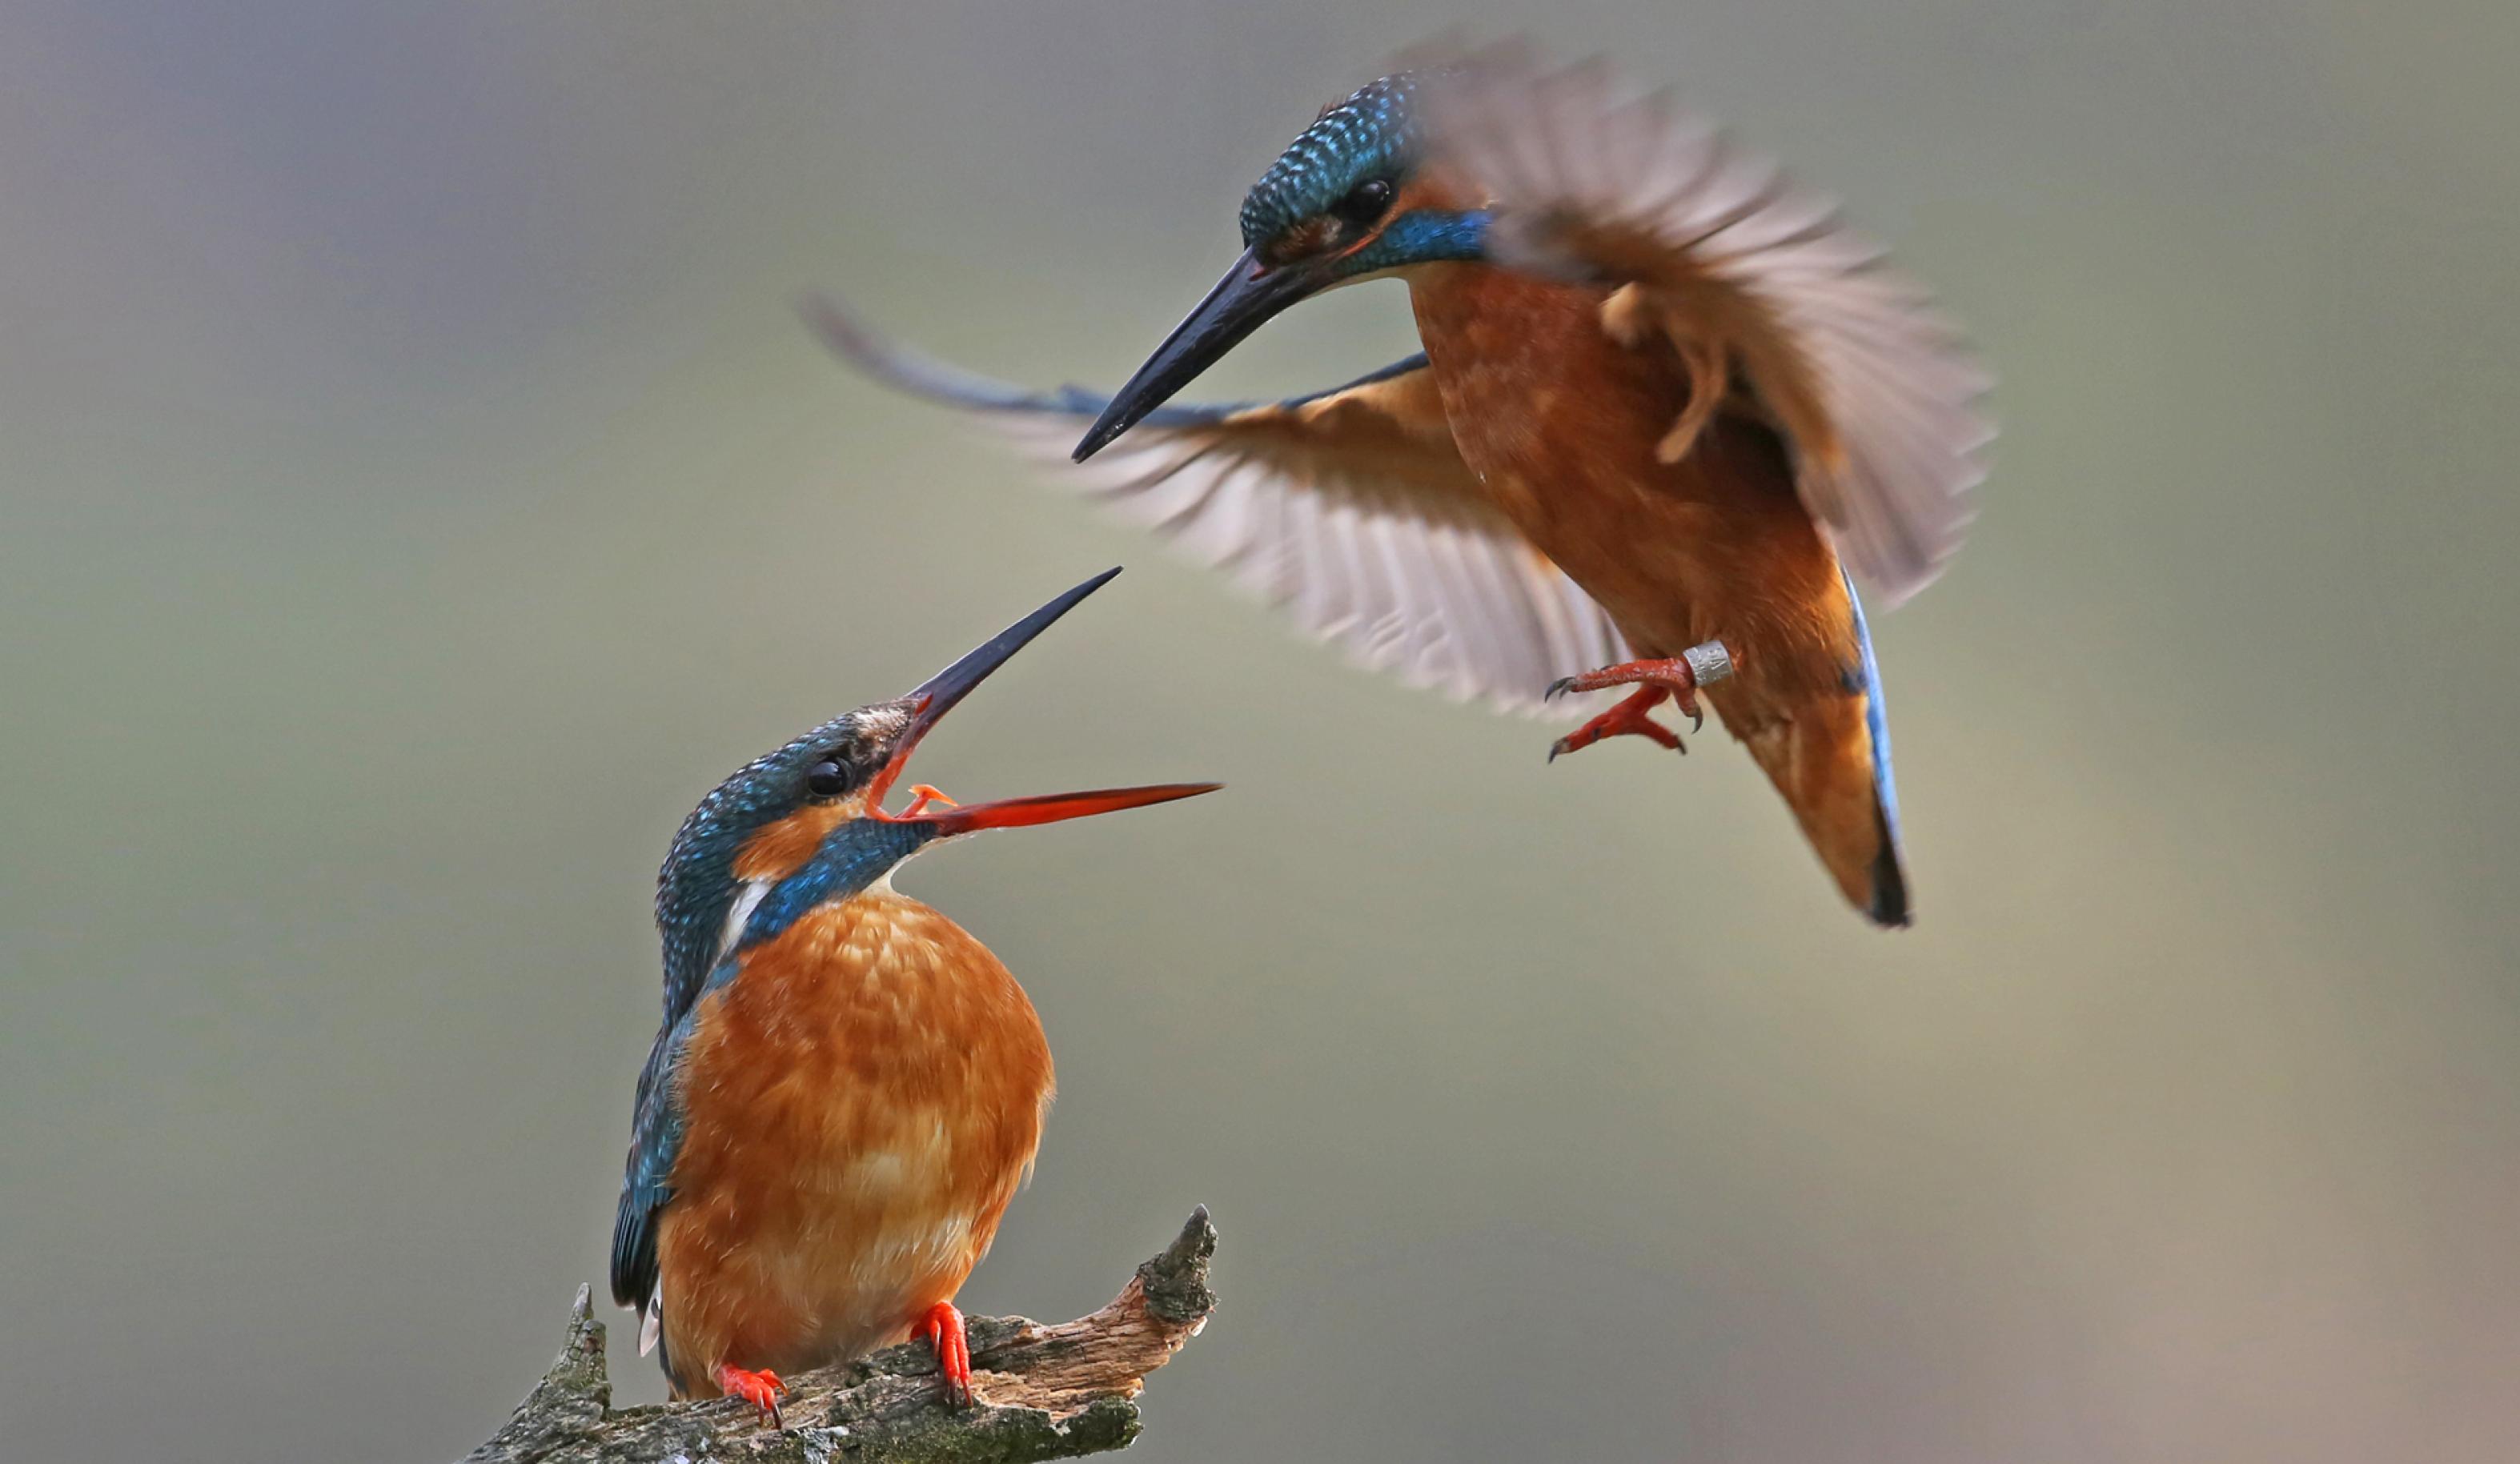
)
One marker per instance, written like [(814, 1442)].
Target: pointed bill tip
[(949, 685), (1110, 425), (942, 692)]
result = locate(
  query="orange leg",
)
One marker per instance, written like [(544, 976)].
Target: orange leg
[(1626, 718), (1680, 676), (759, 1388), (942, 1326)]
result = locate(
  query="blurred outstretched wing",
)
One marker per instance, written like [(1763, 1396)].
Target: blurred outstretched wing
[(1756, 286), (1350, 510)]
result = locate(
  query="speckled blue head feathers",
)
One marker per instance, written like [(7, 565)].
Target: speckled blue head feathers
[(696, 885), (1370, 135)]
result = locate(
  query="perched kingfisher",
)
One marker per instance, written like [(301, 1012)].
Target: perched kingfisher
[(849, 1088), (1662, 400)]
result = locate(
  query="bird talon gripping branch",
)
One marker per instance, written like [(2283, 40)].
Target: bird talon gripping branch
[(759, 1388), (943, 1329)]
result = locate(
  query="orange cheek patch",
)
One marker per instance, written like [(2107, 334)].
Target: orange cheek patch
[(1435, 188), (781, 849), (1302, 238)]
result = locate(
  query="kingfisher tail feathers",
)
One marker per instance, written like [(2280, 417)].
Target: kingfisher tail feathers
[(1831, 762), (1822, 761)]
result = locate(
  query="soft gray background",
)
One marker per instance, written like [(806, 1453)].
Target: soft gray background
[(418, 492)]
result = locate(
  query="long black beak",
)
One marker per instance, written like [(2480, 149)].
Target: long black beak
[(1249, 293), (940, 694)]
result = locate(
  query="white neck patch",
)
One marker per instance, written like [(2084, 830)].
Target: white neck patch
[(747, 898)]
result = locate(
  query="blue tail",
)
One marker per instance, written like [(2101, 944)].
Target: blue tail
[(1889, 904)]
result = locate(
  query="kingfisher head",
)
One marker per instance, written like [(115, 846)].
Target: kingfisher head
[(805, 824), (1344, 202)]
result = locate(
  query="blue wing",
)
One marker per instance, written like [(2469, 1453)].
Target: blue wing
[(1349, 508), (655, 1140)]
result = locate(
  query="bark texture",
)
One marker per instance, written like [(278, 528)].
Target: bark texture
[(1041, 1391)]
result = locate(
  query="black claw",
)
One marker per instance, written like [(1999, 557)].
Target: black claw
[(1555, 749), (1697, 722), (1558, 688)]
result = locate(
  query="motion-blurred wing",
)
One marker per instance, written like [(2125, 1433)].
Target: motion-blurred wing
[(1349, 508), (1754, 284)]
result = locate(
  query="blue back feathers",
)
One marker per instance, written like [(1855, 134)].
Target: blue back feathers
[(1371, 134)]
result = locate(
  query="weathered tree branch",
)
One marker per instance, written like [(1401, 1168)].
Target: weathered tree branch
[(1040, 1392)]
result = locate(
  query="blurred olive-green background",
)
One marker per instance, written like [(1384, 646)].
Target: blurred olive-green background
[(417, 490)]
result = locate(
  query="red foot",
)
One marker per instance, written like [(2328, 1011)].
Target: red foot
[(942, 1326), (1698, 666), (1628, 718), (759, 1388), (922, 795)]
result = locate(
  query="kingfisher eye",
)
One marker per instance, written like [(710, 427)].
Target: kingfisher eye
[(828, 778), (1365, 202)]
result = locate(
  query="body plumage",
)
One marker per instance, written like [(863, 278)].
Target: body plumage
[(1665, 405), (861, 1099), (1558, 423), (849, 1088)]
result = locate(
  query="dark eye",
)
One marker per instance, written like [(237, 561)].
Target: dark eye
[(1365, 202), (828, 778)]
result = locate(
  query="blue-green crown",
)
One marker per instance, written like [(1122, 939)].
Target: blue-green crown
[(696, 887), (1371, 134)]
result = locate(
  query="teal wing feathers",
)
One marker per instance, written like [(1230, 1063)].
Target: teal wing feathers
[(655, 1140)]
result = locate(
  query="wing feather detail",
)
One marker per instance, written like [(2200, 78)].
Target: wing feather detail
[(1753, 282), (1349, 510)]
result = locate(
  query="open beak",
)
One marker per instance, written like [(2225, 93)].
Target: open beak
[(940, 695), (1249, 293)]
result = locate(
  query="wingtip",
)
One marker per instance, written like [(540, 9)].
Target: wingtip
[(841, 330)]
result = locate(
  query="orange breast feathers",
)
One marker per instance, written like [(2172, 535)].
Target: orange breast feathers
[(861, 1101), (1561, 423)]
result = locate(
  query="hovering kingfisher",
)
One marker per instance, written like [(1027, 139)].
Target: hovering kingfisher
[(1661, 396), (849, 1088)]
